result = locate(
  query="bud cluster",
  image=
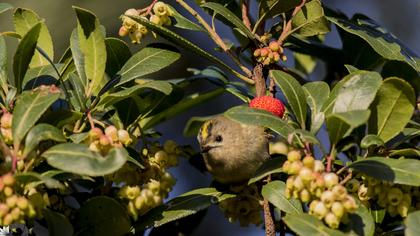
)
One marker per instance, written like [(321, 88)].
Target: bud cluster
[(397, 199), (328, 200), (245, 207), (102, 142), (271, 54), (136, 31), (13, 208), (6, 127)]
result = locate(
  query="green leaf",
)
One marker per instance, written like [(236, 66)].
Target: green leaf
[(24, 53), (229, 16), (412, 224), (406, 152), (117, 54), (269, 167), (304, 224), (194, 124), (182, 106), (357, 92), (58, 224), (294, 94), (102, 216), (184, 205), (304, 62), (392, 108), (24, 20), (34, 179), (378, 215), (3, 64), (340, 125), (184, 43), (361, 222), (5, 7), (92, 43), (310, 20), (41, 133), (274, 193), (30, 106), (384, 43), (78, 58), (403, 71), (371, 140), (253, 116), (399, 171), (146, 61), (112, 98), (183, 23), (40, 72), (316, 95), (272, 8), (79, 159)]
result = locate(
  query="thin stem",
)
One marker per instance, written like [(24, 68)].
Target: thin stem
[(330, 159), (288, 27), (270, 228), (214, 36), (347, 178), (258, 77)]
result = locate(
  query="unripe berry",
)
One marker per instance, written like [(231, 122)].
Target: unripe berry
[(8, 191), (8, 179), (112, 133), (257, 52), (4, 209), (278, 148), (15, 213), (274, 46), (328, 197), (353, 185), (122, 32), (306, 174), (331, 179), (320, 210), (276, 57), (161, 158), (308, 161), (312, 206), (350, 204), (298, 183), (332, 221), (157, 200), (340, 191), (11, 201), (266, 62), (305, 195), (284, 57), (147, 196), (294, 155), (22, 203), (155, 20), (289, 182), (8, 219), (7, 135), (337, 209), (288, 192), (295, 167), (95, 133), (139, 202), (154, 186), (295, 193), (403, 208), (395, 195), (131, 192), (318, 166), (124, 137), (264, 52), (161, 9), (104, 141), (131, 12), (6, 120), (286, 167), (170, 146)]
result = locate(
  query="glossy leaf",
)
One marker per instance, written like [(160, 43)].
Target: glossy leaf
[(316, 95), (92, 44), (371, 140), (269, 167), (146, 61), (310, 20), (102, 216), (58, 224), (399, 171), (117, 54), (79, 159), (24, 53), (406, 152), (392, 108), (340, 125), (184, 205), (30, 106), (412, 224), (294, 94), (357, 92), (3, 63), (183, 23), (41, 133), (4, 7), (182, 42), (404, 71), (383, 42), (229, 16), (361, 222), (39, 73), (24, 20), (34, 179), (272, 8), (78, 58), (304, 224), (274, 193), (253, 116)]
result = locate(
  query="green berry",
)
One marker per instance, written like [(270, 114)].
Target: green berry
[(306, 174), (6, 120), (305, 195), (112, 133), (340, 191), (8, 179), (124, 137), (318, 166), (395, 196), (320, 210), (295, 167), (350, 204), (337, 209), (331, 179), (294, 155), (332, 221), (308, 161), (286, 166), (139, 202), (298, 183), (328, 197)]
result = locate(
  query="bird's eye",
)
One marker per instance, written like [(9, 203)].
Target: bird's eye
[(219, 138)]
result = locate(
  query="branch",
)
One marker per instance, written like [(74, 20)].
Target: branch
[(270, 228), (215, 37), (288, 27), (258, 77), (245, 17)]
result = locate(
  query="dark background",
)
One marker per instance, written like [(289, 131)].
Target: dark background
[(399, 17)]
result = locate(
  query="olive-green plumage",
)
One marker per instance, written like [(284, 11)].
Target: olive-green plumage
[(232, 151)]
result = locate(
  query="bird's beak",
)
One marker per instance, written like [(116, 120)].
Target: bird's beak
[(205, 149)]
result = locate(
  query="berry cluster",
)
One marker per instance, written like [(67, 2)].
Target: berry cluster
[(328, 200), (137, 31), (103, 141), (6, 127), (271, 54), (13, 208), (245, 207), (397, 199), (269, 104), (147, 188)]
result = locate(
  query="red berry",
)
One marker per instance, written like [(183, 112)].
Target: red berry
[(268, 103)]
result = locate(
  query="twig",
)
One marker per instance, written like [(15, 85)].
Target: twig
[(258, 77), (148, 9), (329, 163), (272, 87), (215, 37), (270, 228), (347, 178), (288, 27), (245, 17)]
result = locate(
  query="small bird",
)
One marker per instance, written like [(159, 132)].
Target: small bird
[(232, 151)]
